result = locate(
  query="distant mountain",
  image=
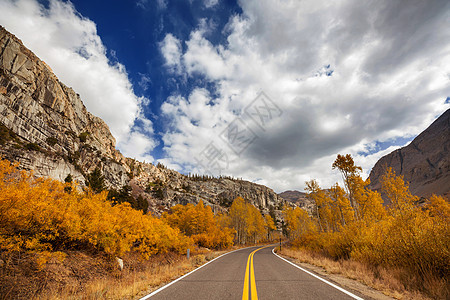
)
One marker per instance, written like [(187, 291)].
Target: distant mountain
[(293, 196), (45, 127), (298, 198), (424, 163)]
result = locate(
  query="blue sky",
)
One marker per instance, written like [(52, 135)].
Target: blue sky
[(270, 91), (132, 31)]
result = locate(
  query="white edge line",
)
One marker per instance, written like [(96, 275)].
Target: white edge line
[(314, 275), (178, 279)]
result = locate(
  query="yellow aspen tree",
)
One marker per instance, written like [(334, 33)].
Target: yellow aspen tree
[(369, 203), (397, 191), (251, 222), (298, 223), (345, 210), (438, 207), (259, 225), (348, 169), (237, 216), (269, 224), (322, 204)]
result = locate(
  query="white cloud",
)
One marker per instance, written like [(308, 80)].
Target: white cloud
[(171, 50), (210, 3), (202, 57), (69, 43), (389, 61), (137, 145)]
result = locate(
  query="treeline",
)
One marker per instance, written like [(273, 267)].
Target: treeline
[(198, 177), (45, 216), (96, 182), (352, 222)]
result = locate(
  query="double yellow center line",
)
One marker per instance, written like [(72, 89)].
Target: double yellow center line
[(249, 279)]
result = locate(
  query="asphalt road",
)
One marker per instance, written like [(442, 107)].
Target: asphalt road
[(250, 274)]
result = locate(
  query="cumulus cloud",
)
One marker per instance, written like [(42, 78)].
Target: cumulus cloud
[(69, 43), (345, 74)]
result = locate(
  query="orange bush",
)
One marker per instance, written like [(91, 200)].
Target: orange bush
[(39, 215)]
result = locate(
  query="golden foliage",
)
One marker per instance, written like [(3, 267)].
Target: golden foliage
[(248, 222), (39, 215), (357, 225), (270, 226), (299, 224), (200, 223)]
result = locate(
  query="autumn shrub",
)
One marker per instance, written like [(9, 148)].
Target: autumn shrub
[(38, 215), (415, 241)]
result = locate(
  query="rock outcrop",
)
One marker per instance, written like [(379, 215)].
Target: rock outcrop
[(45, 127), (424, 163)]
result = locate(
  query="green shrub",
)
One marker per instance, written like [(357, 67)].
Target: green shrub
[(5, 134), (52, 141), (96, 181), (32, 147), (83, 136)]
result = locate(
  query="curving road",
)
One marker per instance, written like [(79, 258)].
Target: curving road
[(251, 273)]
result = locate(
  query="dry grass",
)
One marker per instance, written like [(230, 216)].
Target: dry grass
[(392, 282), (83, 275), (136, 280), (88, 276)]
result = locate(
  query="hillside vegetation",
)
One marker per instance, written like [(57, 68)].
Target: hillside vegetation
[(351, 223), (45, 215), (45, 220)]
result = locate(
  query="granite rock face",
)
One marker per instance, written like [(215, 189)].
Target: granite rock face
[(424, 163), (50, 121), (45, 127)]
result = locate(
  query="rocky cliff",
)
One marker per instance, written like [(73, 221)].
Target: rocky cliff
[(424, 163), (53, 132), (45, 127)]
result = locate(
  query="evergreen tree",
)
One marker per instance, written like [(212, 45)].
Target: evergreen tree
[(96, 181)]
